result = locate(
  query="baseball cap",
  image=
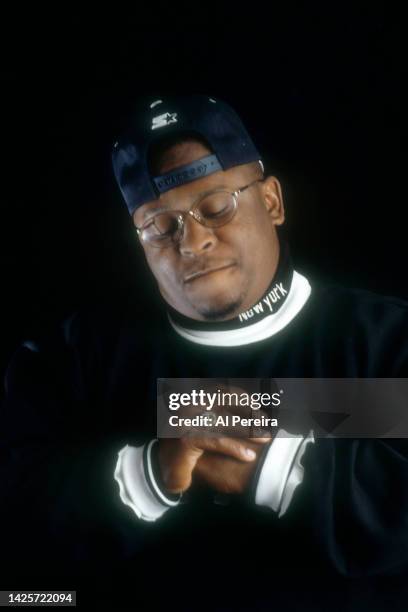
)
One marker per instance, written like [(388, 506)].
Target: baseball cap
[(155, 118)]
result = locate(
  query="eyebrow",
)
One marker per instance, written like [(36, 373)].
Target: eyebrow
[(200, 195)]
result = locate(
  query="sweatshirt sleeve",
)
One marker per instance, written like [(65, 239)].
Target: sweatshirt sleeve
[(58, 494), (138, 486), (282, 471), (356, 493)]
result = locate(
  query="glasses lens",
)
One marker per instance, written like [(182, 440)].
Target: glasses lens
[(162, 229), (216, 209)]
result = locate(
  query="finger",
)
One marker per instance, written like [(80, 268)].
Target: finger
[(177, 462), (232, 447), (224, 474)]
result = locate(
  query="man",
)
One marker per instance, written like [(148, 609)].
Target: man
[(305, 520)]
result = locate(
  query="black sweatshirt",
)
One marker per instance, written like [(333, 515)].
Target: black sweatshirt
[(77, 395)]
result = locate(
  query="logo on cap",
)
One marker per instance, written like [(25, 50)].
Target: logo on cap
[(163, 120)]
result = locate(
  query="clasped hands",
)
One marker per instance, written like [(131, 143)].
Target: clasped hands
[(226, 464)]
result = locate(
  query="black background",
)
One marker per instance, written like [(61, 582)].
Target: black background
[(319, 86)]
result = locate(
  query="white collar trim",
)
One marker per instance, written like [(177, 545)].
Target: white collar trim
[(299, 293)]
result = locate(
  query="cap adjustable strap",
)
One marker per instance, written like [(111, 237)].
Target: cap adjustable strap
[(184, 174)]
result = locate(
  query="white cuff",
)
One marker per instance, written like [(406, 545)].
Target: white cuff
[(282, 471), (146, 500)]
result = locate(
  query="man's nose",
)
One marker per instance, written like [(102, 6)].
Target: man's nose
[(196, 238)]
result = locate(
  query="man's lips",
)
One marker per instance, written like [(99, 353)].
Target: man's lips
[(193, 275)]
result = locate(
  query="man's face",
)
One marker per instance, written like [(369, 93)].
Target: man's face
[(236, 261)]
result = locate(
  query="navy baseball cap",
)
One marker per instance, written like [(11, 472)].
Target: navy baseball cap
[(156, 118)]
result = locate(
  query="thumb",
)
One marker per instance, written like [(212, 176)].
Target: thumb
[(177, 467)]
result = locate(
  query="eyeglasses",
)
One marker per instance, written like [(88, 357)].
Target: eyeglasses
[(212, 210)]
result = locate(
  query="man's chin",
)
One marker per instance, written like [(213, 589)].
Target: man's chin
[(219, 311)]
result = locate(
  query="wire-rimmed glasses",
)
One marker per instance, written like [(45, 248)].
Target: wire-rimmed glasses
[(211, 210)]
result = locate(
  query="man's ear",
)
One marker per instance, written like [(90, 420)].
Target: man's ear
[(273, 199), (135, 226)]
